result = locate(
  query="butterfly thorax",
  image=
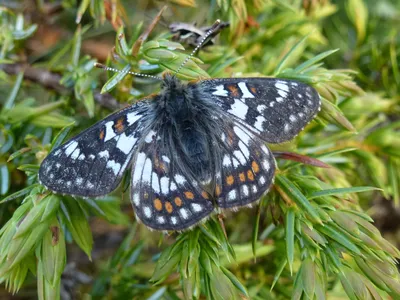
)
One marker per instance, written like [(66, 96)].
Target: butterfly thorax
[(185, 120)]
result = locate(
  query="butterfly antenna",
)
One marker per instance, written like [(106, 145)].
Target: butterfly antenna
[(104, 67), (208, 33)]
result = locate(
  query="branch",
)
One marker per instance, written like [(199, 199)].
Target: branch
[(51, 81)]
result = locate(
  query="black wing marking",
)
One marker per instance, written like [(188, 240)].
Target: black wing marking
[(93, 162), (247, 168), (164, 197), (275, 109)]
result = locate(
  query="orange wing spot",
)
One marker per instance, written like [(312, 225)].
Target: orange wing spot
[(230, 180), (253, 90), (156, 162), (157, 204), (101, 135), (119, 125), (218, 190), (250, 175), (230, 138), (242, 177), (234, 90), (255, 167), (178, 201), (204, 194), (189, 195), (168, 207)]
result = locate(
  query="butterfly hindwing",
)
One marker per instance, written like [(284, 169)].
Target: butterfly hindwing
[(164, 197), (275, 109), (93, 163), (247, 168)]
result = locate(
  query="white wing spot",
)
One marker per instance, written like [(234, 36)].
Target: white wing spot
[(197, 207), (90, 185), (125, 143), (232, 195), (279, 99), (236, 163), (174, 220), (261, 108), (91, 156), (147, 170), (104, 154), (245, 90), (75, 154), (220, 91), (286, 128), (180, 179), (70, 148), (166, 159), (245, 190), (164, 185), (265, 149), (161, 219), (282, 93), (51, 176), (243, 136), (239, 109), (57, 152), (244, 149), (173, 186), (141, 158), (239, 155), (292, 118), (184, 213), (68, 183), (261, 180), (266, 165), (300, 95), (282, 86), (79, 180), (147, 212), (109, 131), (132, 118), (301, 115), (227, 161), (259, 123), (136, 199), (112, 164), (272, 103), (58, 165), (154, 183), (254, 188), (82, 156)]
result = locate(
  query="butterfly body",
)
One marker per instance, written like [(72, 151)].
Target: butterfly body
[(193, 147)]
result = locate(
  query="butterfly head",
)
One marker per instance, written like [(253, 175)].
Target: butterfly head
[(175, 97)]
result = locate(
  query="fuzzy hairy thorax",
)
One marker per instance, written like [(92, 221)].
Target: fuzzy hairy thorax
[(188, 125)]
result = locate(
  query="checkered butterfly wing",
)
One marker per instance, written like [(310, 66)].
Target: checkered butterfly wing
[(93, 162), (246, 168), (275, 109), (165, 196)]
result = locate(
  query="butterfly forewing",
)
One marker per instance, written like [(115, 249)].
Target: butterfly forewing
[(93, 163), (163, 196), (247, 168), (275, 109)]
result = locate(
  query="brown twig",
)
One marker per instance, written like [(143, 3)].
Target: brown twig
[(51, 81), (145, 34)]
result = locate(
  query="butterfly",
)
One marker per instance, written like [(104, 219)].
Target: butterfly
[(193, 148)]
